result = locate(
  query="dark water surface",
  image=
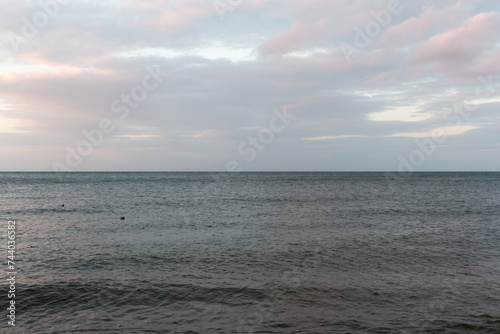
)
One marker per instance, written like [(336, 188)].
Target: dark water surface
[(253, 252)]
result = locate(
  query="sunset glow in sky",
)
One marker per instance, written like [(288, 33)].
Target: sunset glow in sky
[(201, 85)]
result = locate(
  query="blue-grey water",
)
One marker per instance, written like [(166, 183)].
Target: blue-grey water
[(253, 252)]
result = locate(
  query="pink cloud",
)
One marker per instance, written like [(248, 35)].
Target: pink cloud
[(166, 17), (317, 23), (384, 79), (461, 43), (489, 64), (285, 41), (415, 28), (170, 19)]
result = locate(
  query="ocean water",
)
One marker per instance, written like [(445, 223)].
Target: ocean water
[(253, 252)]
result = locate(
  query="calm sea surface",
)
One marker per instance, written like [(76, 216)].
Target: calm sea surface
[(253, 252)]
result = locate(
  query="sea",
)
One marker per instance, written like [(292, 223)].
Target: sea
[(175, 252)]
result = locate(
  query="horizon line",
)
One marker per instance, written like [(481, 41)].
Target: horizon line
[(250, 171)]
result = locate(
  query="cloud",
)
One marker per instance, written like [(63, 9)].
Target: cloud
[(444, 131), (227, 76), (334, 137), (401, 114), (417, 28), (453, 51)]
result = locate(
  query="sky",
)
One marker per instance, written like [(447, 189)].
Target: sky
[(250, 85)]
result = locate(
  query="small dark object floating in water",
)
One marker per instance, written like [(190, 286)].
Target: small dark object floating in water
[(62, 205), (122, 218)]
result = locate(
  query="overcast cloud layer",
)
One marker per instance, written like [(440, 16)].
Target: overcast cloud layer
[(252, 85)]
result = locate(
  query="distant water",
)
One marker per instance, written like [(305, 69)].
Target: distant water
[(254, 252)]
